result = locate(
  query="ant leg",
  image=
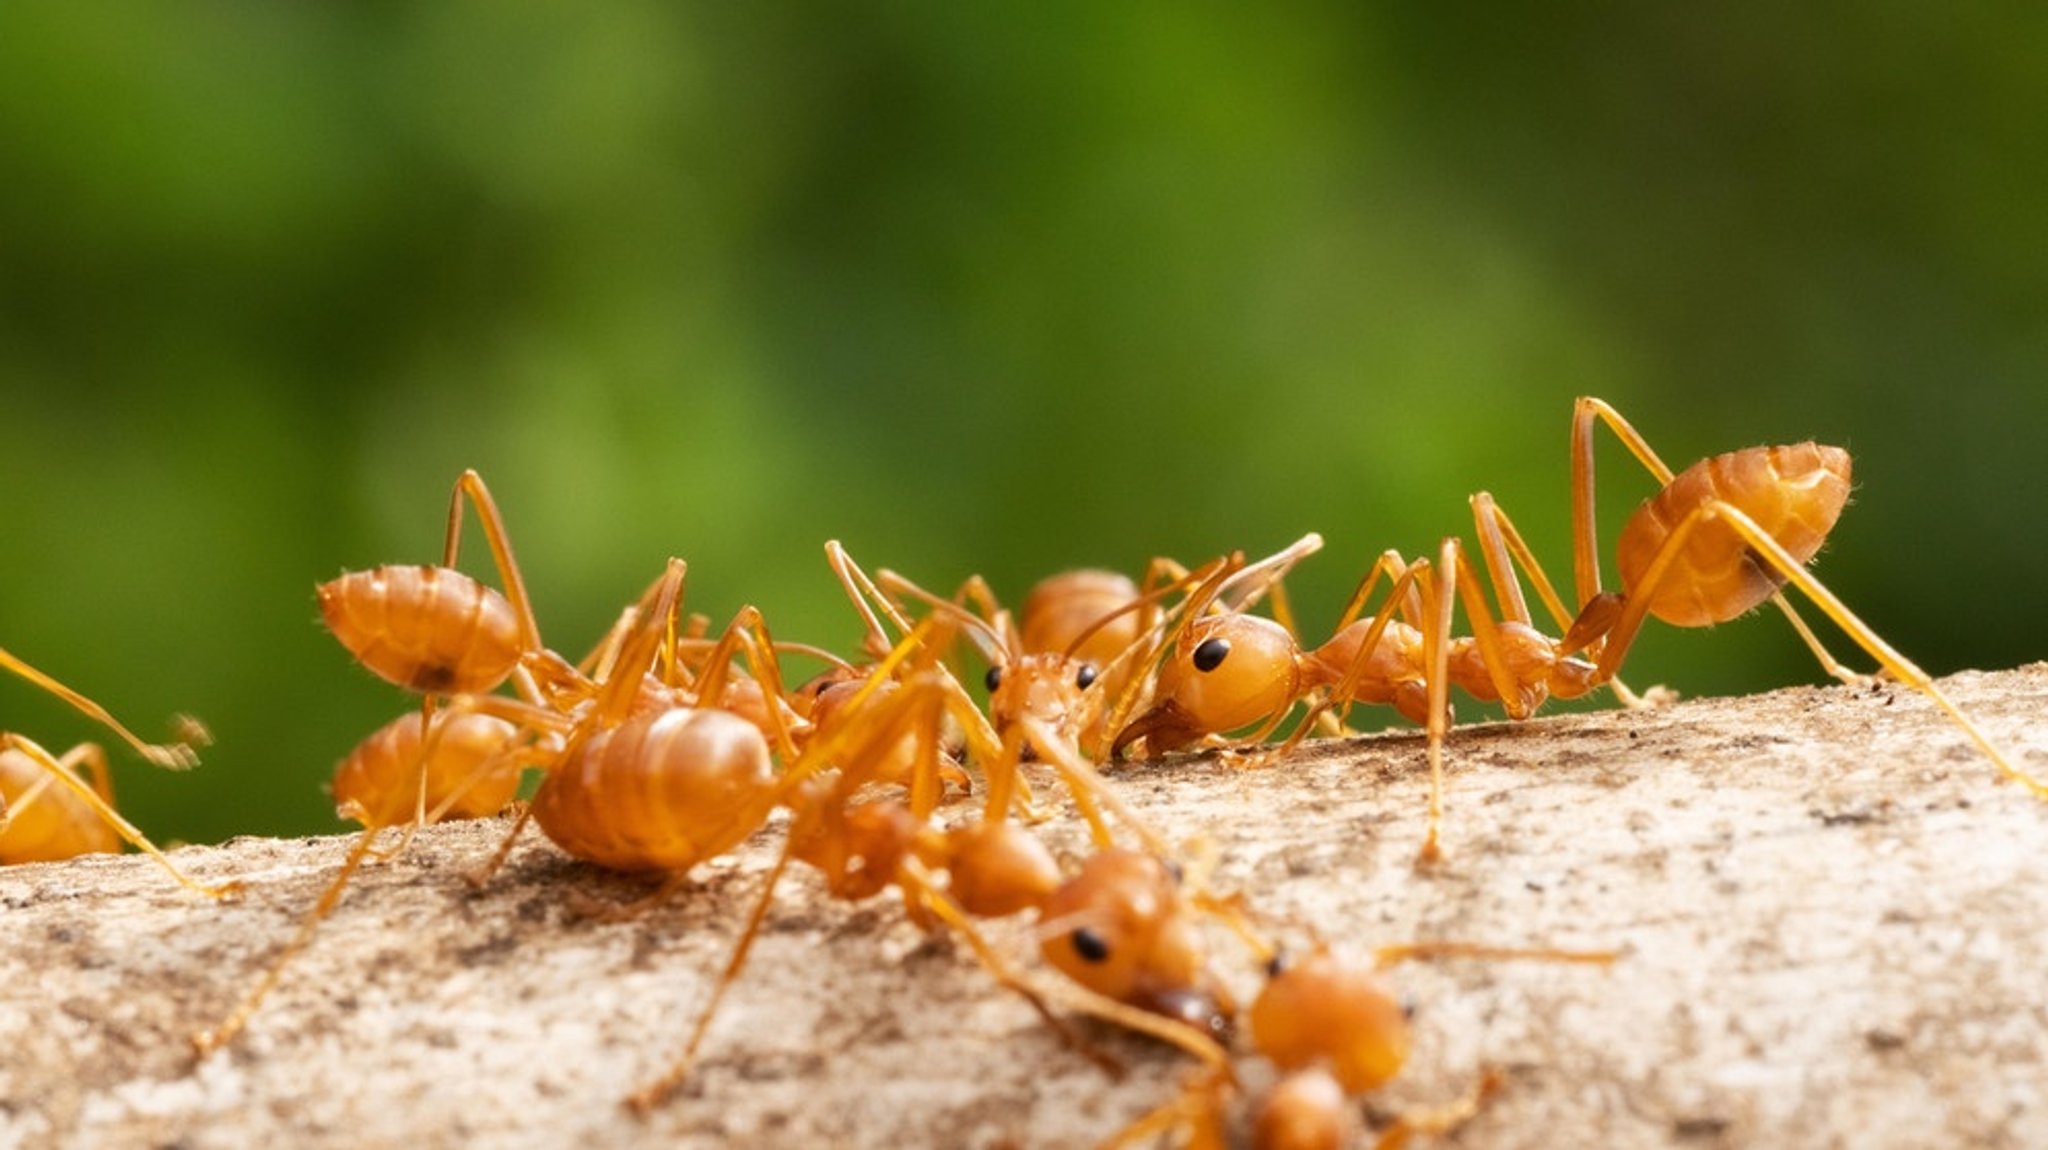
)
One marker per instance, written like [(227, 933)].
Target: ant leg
[(1198, 1109), (1402, 600), (861, 591), (1585, 538), (1503, 551), (1436, 654), (1585, 560), (654, 1094), (481, 876), (1387, 956), (1402, 594), (1440, 590), (61, 774), (649, 641), (470, 485), (921, 892), (176, 756), (1087, 786), (1439, 1120), (11, 808), (747, 635), (205, 1042), (1767, 550)]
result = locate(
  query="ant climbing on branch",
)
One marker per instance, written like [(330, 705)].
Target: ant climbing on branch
[(1714, 542)]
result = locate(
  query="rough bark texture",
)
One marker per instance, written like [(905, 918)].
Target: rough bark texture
[(1829, 907)]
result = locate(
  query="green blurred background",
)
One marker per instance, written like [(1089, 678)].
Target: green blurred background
[(972, 291)]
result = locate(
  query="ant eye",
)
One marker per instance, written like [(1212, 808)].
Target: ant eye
[(1210, 654), (994, 678), (1091, 946), (1408, 1007), (1278, 964), (1177, 872), (1085, 676)]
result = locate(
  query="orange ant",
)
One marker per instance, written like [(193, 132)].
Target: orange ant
[(1714, 542), (1335, 1032), (54, 808), (436, 631)]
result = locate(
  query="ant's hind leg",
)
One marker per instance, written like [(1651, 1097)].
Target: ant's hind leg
[(1767, 550), (470, 485), (1585, 558)]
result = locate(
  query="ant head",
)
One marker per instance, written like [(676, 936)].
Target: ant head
[(1121, 929), (1227, 671), (836, 685), (827, 700), (858, 848), (1047, 687), (1320, 1009)]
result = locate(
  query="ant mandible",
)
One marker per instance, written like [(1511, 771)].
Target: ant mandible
[(1714, 542)]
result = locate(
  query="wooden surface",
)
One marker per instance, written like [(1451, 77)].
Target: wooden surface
[(1831, 911)]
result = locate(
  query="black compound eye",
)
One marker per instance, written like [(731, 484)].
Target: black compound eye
[(1211, 653), (993, 679), (1408, 1007), (1091, 946), (1278, 964), (1085, 676)]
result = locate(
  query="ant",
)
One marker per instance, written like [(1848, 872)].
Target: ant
[(439, 632), (1334, 1032), (1714, 542), (54, 808)]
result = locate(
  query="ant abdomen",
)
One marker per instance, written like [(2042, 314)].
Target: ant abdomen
[(1794, 493), (659, 792), (470, 771), (1061, 607), (1320, 1011), (44, 823), (427, 629)]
